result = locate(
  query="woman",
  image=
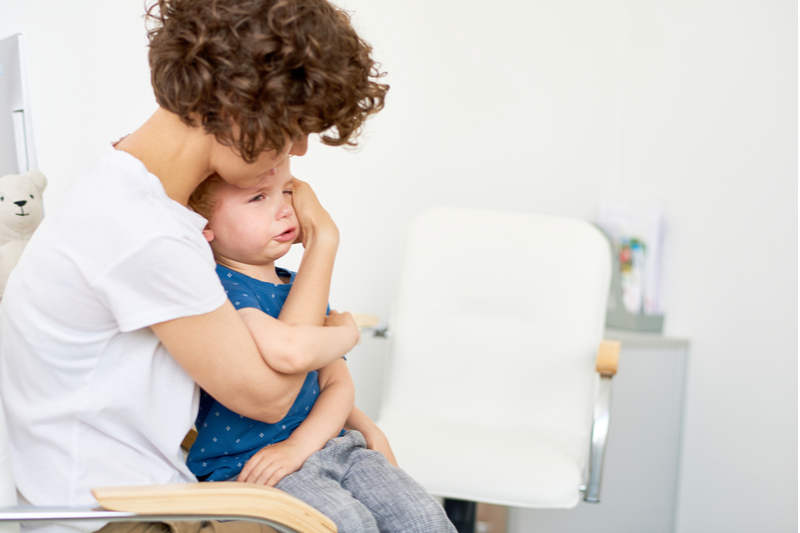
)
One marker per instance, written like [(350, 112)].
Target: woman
[(114, 312)]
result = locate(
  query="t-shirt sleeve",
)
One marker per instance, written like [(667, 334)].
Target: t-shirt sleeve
[(240, 294), (163, 279)]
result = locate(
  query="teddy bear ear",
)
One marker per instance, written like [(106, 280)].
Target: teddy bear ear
[(38, 179)]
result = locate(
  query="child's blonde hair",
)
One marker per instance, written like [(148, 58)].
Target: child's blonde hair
[(203, 200)]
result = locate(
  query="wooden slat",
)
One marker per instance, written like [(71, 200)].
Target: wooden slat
[(224, 499), (188, 440), (608, 357)]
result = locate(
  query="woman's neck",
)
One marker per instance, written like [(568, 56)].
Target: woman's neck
[(177, 154)]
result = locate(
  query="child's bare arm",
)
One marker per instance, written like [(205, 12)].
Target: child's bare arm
[(300, 348), (376, 439), (326, 419), (308, 299)]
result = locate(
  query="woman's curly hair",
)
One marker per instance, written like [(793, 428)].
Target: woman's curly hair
[(255, 72)]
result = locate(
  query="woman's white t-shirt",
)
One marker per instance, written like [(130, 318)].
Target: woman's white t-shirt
[(91, 396)]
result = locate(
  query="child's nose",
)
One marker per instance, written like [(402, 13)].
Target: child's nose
[(285, 210)]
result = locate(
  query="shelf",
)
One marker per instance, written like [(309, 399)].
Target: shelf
[(650, 340)]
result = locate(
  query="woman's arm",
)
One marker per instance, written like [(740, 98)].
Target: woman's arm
[(218, 352), (376, 439), (326, 419)]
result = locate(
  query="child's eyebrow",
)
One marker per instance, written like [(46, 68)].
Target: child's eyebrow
[(247, 194)]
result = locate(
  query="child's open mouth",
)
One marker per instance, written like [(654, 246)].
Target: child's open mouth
[(287, 235)]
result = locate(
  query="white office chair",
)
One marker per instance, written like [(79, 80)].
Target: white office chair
[(194, 501), (492, 376)]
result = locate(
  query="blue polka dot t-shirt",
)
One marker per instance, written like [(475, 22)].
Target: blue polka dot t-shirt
[(226, 440)]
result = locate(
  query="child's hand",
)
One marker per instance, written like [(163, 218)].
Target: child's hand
[(274, 462), (335, 318), (314, 221)]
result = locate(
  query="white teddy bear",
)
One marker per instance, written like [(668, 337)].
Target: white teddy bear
[(20, 215)]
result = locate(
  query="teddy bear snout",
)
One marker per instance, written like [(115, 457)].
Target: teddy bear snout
[(21, 204)]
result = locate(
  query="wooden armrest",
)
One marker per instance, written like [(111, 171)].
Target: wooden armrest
[(365, 321), (225, 499), (608, 357)]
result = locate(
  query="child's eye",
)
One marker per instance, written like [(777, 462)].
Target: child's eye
[(257, 198), (289, 192)]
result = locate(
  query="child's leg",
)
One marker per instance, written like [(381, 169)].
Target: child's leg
[(319, 484), (398, 503)]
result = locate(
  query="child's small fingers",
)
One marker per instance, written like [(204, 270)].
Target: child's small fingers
[(265, 475), (252, 467), (248, 467), (276, 476), (244, 473), (256, 473)]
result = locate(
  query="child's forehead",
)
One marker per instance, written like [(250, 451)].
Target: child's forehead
[(265, 182)]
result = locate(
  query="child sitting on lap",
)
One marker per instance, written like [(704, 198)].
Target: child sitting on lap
[(348, 474)]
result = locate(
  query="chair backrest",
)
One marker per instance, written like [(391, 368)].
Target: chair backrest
[(497, 318)]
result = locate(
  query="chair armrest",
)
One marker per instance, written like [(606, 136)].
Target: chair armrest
[(607, 362), (365, 321), (608, 357), (224, 499)]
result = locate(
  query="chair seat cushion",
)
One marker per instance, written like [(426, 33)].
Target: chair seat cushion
[(532, 468)]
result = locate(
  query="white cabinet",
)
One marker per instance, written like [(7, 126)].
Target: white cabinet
[(640, 474)]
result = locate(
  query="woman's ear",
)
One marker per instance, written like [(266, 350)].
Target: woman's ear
[(208, 233)]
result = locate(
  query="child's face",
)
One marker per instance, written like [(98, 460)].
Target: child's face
[(254, 225)]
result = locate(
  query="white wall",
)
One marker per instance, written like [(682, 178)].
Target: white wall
[(548, 106)]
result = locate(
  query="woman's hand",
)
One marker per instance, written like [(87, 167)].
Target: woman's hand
[(274, 462), (314, 221)]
